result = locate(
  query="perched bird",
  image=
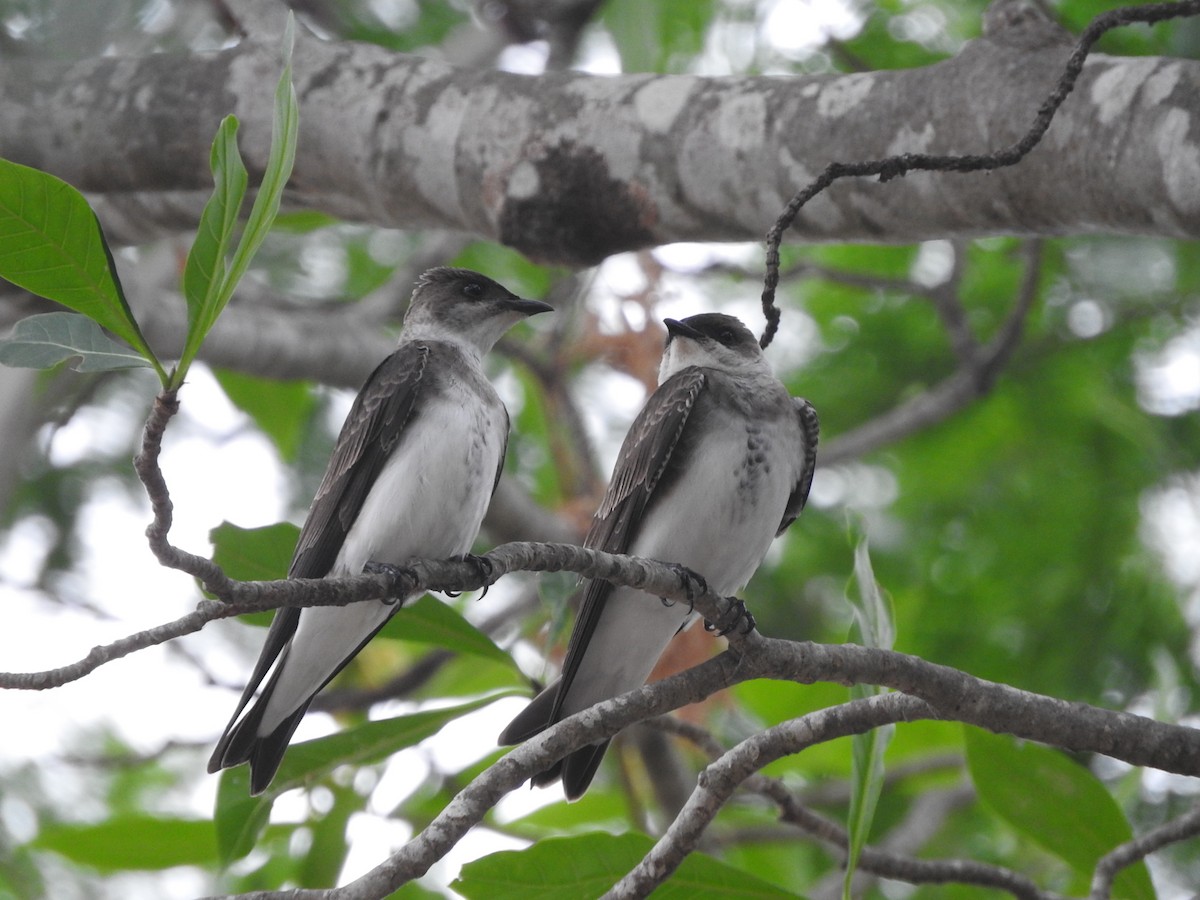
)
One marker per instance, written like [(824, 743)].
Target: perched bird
[(411, 475), (716, 465)]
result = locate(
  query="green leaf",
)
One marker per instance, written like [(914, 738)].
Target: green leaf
[(133, 843), (657, 37), (204, 274), (280, 408), (429, 621), (1056, 802), (254, 554), (598, 808), (53, 246), (240, 818), (327, 855), (284, 130), (42, 341), (208, 285), (304, 221), (873, 613), (507, 266), (874, 626), (597, 861)]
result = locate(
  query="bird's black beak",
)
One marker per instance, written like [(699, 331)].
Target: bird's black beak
[(528, 307), (675, 329)]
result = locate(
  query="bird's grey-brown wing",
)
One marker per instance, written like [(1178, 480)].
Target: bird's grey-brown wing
[(810, 430), (648, 462), (372, 430)]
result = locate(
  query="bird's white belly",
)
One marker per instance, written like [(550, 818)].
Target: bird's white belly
[(720, 517), (432, 493)]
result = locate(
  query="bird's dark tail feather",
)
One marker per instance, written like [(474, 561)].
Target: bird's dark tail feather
[(241, 743), (539, 715), (576, 769)]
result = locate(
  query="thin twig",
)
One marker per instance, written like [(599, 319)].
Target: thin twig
[(239, 597), (1110, 865)]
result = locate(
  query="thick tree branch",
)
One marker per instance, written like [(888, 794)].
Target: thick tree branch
[(587, 166)]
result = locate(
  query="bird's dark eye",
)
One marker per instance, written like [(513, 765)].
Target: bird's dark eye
[(473, 289), (726, 336)]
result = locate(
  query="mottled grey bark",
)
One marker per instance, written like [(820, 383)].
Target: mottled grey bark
[(570, 168)]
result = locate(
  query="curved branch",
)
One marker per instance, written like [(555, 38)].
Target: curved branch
[(739, 765), (875, 860), (1110, 865)]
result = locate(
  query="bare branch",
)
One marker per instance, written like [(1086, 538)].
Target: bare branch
[(166, 405), (948, 304), (738, 768), (1110, 865), (874, 860), (52, 678), (657, 579), (720, 779)]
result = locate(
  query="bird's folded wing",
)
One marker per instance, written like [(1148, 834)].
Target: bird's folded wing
[(810, 430), (376, 422), (373, 428)]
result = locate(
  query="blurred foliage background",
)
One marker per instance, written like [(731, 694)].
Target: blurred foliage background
[(1040, 530)]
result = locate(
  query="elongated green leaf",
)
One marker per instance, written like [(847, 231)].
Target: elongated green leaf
[(42, 341), (874, 626), (284, 130), (240, 818), (1056, 802), (588, 865), (204, 275), (133, 843), (208, 284), (51, 244), (873, 613), (429, 621)]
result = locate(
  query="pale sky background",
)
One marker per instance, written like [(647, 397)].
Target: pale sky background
[(156, 696)]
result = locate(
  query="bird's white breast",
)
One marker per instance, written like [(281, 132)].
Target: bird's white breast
[(431, 495), (721, 515)]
